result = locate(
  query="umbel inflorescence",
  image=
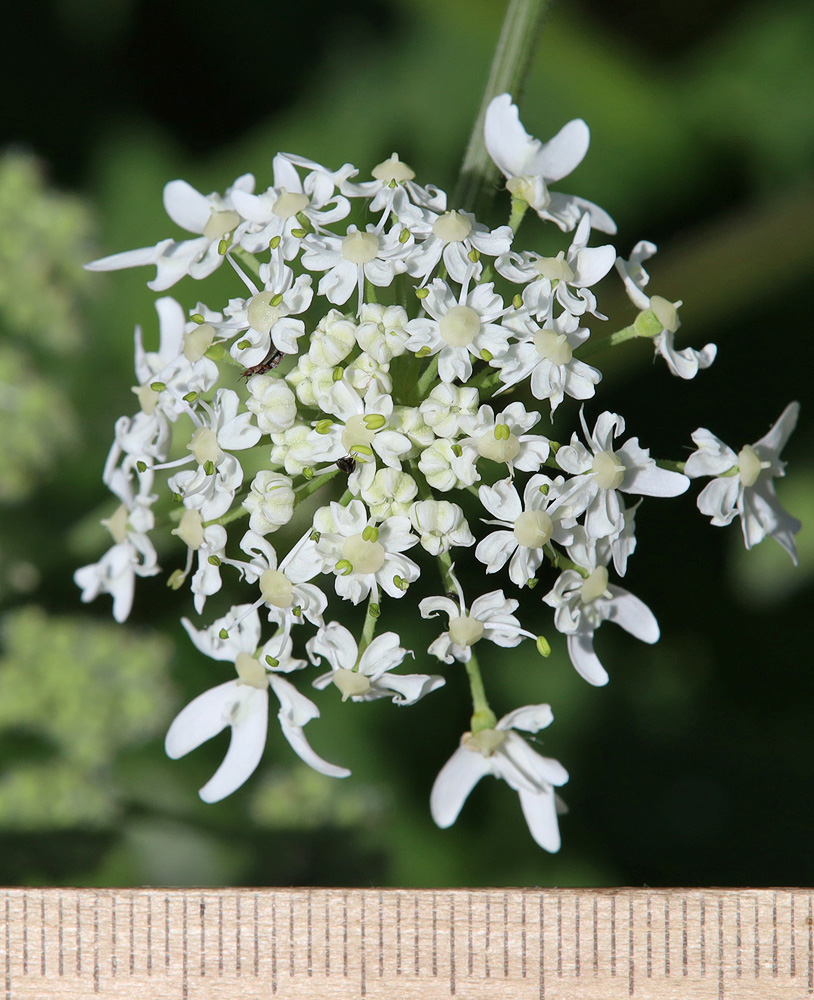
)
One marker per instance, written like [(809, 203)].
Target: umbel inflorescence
[(396, 357)]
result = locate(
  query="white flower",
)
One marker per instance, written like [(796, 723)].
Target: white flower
[(210, 544), (362, 556), (367, 676), (529, 165), (132, 554), (743, 483), (270, 503), (583, 604), (457, 237), (267, 318), (179, 366), (272, 402), (289, 602), (565, 278), (502, 438), (362, 430), (448, 466), (381, 332), (212, 486), (528, 526), (547, 355), (490, 617), (273, 215), (349, 260), (686, 363), (242, 704), (599, 471), (390, 177), (440, 525), (332, 341), (391, 493), (212, 216), (503, 752), (446, 404), (458, 329)]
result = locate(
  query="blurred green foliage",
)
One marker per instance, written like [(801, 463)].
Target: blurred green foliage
[(694, 765)]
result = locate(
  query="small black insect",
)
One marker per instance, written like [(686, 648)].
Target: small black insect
[(271, 360), (347, 464)]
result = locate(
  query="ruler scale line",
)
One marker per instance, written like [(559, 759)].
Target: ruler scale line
[(362, 967), (8, 948), (452, 945), (720, 949), (60, 937)]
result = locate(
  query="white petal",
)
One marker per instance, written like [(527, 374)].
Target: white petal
[(540, 810), (455, 781), (585, 661), (563, 153), (633, 615), (245, 747), (532, 718), (295, 711), (187, 207), (201, 719)]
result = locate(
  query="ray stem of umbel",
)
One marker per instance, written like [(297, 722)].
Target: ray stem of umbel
[(522, 25)]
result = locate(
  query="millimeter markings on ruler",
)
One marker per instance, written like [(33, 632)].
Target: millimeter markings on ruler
[(403, 944)]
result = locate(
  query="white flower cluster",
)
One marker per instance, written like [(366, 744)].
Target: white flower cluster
[(377, 354)]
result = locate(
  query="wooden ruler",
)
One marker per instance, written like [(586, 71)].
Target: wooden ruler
[(401, 944)]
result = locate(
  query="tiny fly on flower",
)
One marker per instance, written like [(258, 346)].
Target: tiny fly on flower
[(271, 360), (346, 464)]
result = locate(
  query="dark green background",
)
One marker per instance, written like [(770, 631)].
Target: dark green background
[(694, 766)]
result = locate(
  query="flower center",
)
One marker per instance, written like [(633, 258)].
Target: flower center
[(533, 528), (117, 525), (459, 326), (554, 268), (392, 170), (532, 190), (553, 346), (452, 227), (465, 631), (219, 224), (251, 671), (262, 315), (360, 248), (190, 529), (198, 341), (749, 465), (595, 586), (485, 742), (665, 312), (350, 682), (289, 203), (204, 446), (356, 431), (608, 470), (364, 556), (147, 398), (276, 589), (500, 444)]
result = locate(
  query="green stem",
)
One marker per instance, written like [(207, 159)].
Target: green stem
[(371, 618), (428, 376), (482, 716), (510, 65), (306, 489), (232, 515), (247, 260)]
